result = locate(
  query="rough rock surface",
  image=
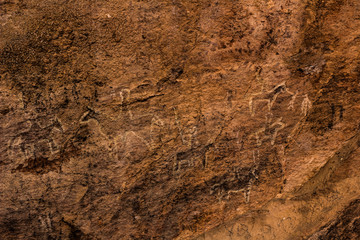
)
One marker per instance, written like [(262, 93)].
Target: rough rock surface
[(233, 119)]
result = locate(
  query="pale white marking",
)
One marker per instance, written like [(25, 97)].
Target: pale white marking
[(306, 105)]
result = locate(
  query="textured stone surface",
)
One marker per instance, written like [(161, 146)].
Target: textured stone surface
[(179, 119)]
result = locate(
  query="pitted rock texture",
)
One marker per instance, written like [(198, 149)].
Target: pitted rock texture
[(179, 119)]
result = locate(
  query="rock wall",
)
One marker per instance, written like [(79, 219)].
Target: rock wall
[(179, 119)]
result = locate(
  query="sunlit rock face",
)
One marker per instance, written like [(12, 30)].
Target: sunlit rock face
[(179, 119)]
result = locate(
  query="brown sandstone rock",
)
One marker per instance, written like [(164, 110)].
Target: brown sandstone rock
[(179, 119)]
